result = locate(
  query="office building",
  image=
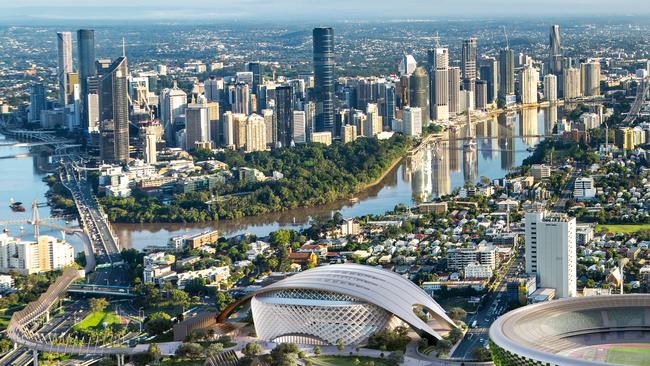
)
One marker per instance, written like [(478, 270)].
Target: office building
[(239, 129), (213, 89), (540, 172), (349, 133), (64, 67), (228, 128), (454, 90), (255, 133), (571, 83), (258, 73), (298, 134), (551, 250), (324, 78), (550, 88), (269, 125), (86, 68), (481, 90), (439, 83), (173, 102), (590, 78), (469, 58), (324, 138), (114, 106), (412, 121), (528, 80), (407, 65), (506, 73), (489, 72), (284, 115), (419, 91), (388, 93), (241, 102), (197, 124), (584, 188), (37, 102)]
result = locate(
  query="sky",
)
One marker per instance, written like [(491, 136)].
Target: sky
[(309, 10)]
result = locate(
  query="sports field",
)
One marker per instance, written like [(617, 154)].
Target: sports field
[(621, 354)]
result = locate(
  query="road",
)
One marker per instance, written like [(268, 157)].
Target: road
[(494, 306)]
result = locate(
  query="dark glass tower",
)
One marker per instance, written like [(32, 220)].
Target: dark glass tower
[(114, 109), (284, 114), (324, 78), (86, 57)]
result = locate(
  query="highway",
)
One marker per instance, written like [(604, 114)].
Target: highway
[(494, 306)]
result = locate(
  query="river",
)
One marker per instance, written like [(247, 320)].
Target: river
[(502, 143)]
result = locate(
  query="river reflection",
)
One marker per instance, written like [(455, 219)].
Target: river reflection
[(501, 143)]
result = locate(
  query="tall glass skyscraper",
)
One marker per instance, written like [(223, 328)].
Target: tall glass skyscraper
[(324, 78), (284, 114), (555, 51), (64, 48), (86, 57), (506, 73), (114, 109)]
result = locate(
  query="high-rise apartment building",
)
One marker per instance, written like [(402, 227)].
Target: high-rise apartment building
[(284, 114), (255, 133), (373, 124), (64, 66), (551, 250), (555, 51), (269, 125), (489, 72), (349, 133), (26, 257), (298, 134), (439, 83), (419, 92), (150, 154), (324, 78), (37, 101), (571, 83), (469, 58), (86, 68), (481, 90), (528, 80), (550, 88), (412, 121), (590, 78), (197, 124)]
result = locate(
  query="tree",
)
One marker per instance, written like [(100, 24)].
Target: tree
[(280, 237), (190, 350), (214, 349), (154, 352), (252, 349), (158, 323), (455, 334), (316, 350), (481, 354), (457, 313), (396, 358), (340, 345), (98, 304), (443, 346)]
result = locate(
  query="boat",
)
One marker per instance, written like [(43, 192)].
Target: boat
[(17, 207)]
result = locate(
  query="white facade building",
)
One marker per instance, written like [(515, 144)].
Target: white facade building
[(584, 188), (412, 124)]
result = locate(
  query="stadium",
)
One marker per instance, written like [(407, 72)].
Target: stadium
[(580, 331), (347, 302)]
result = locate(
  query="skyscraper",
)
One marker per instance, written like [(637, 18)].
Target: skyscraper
[(571, 83), (481, 99), (469, 57), (298, 133), (528, 80), (419, 92), (590, 78), (555, 51), (551, 250), (550, 88), (324, 78), (197, 124), (454, 90), (114, 106), (150, 140), (36, 101), (439, 83), (506, 73), (258, 73), (489, 71), (255, 133), (412, 121), (64, 67), (284, 114), (86, 58), (172, 104)]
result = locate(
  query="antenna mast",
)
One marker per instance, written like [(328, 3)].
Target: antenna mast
[(506, 34)]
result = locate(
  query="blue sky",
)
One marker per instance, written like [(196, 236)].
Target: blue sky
[(310, 10)]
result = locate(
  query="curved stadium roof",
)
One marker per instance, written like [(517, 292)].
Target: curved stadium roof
[(377, 286), (548, 331)]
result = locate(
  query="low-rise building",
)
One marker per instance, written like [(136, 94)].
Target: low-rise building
[(213, 276)]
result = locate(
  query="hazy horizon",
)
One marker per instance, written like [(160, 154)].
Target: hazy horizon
[(34, 11)]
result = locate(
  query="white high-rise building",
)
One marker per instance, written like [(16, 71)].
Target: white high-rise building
[(407, 65), (528, 79), (172, 104), (373, 124), (454, 90), (299, 133), (197, 124), (584, 188), (64, 47), (412, 117), (150, 140), (571, 83), (228, 129), (26, 257), (551, 250), (255, 133), (269, 123), (550, 88)]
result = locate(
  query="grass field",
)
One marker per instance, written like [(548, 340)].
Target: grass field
[(622, 229), (629, 356), (344, 361), (98, 318)]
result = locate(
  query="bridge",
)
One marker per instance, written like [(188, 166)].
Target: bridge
[(641, 92), (105, 290)]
